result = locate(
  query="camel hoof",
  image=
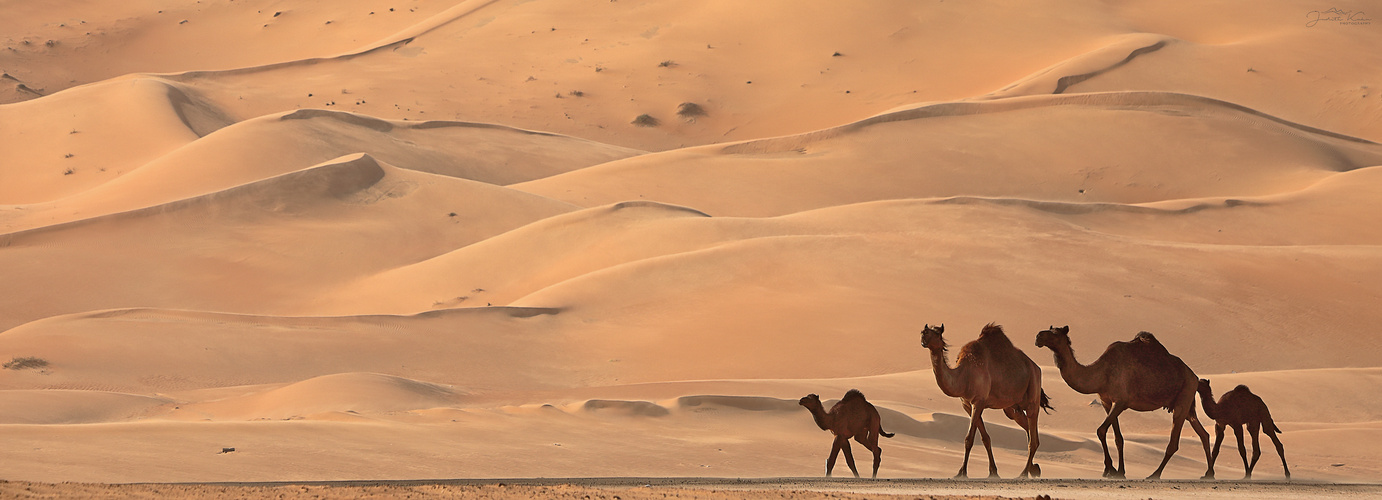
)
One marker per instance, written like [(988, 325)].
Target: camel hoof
[(1207, 477), (961, 475), (1113, 474), (1035, 471), (1154, 477)]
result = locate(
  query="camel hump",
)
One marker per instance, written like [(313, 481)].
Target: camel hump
[(852, 395), (1146, 340), (991, 342), (993, 333), (991, 328)]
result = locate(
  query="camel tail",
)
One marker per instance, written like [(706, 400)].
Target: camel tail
[(1278, 429), (878, 418), (1046, 402)]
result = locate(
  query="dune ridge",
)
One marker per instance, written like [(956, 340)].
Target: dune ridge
[(1058, 78), (1097, 99)]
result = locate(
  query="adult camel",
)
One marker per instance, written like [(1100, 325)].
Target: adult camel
[(1141, 375), (990, 372)]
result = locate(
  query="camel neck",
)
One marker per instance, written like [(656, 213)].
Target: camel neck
[(820, 416), (1211, 408), (946, 377), (1079, 377)]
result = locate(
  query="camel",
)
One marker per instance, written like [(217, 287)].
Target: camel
[(1140, 375), (1235, 408), (852, 417), (990, 373)]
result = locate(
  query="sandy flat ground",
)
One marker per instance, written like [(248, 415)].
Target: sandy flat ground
[(708, 488), (259, 241)]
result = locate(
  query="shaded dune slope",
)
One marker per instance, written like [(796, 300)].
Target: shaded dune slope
[(289, 237), (291, 141)]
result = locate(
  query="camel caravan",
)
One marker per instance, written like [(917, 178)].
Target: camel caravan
[(992, 373)]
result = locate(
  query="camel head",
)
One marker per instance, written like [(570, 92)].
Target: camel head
[(931, 337), (1054, 337), (810, 401), (1204, 385)]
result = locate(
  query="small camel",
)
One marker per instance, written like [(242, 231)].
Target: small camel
[(852, 417), (1235, 408), (990, 373), (1141, 375)]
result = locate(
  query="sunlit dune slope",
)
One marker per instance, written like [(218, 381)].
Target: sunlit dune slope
[(1118, 147)]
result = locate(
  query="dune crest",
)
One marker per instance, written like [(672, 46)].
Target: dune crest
[(1059, 78)]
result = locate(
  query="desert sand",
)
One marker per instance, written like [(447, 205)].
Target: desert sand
[(252, 241)]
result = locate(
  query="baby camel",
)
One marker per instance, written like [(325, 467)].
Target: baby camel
[(1235, 408), (852, 417)]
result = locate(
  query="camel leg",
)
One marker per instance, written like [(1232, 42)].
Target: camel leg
[(834, 452), (849, 458), (1271, 433), (1176, 424), (1112, 421), (988, 447), (1218, 440), (1242, 451), (1204, 437), (1118, 441), (871, 443), (969, 438), (1256, 448), (1027, 424), (1033, 442)]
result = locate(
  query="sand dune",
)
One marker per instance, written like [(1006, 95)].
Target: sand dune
[(1084, 148), (341, 392), (81, 138), (57, 407), (92, 42), (1293, 218), (155, 350), (253, 241), (274, 236), (292, 141)]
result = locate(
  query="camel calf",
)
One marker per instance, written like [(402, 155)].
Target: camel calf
[(1236, 408), (852, 417)]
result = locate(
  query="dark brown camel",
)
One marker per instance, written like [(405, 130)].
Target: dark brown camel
[(852, 417), (1140, 375), (990, 373), (1235, 408)]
